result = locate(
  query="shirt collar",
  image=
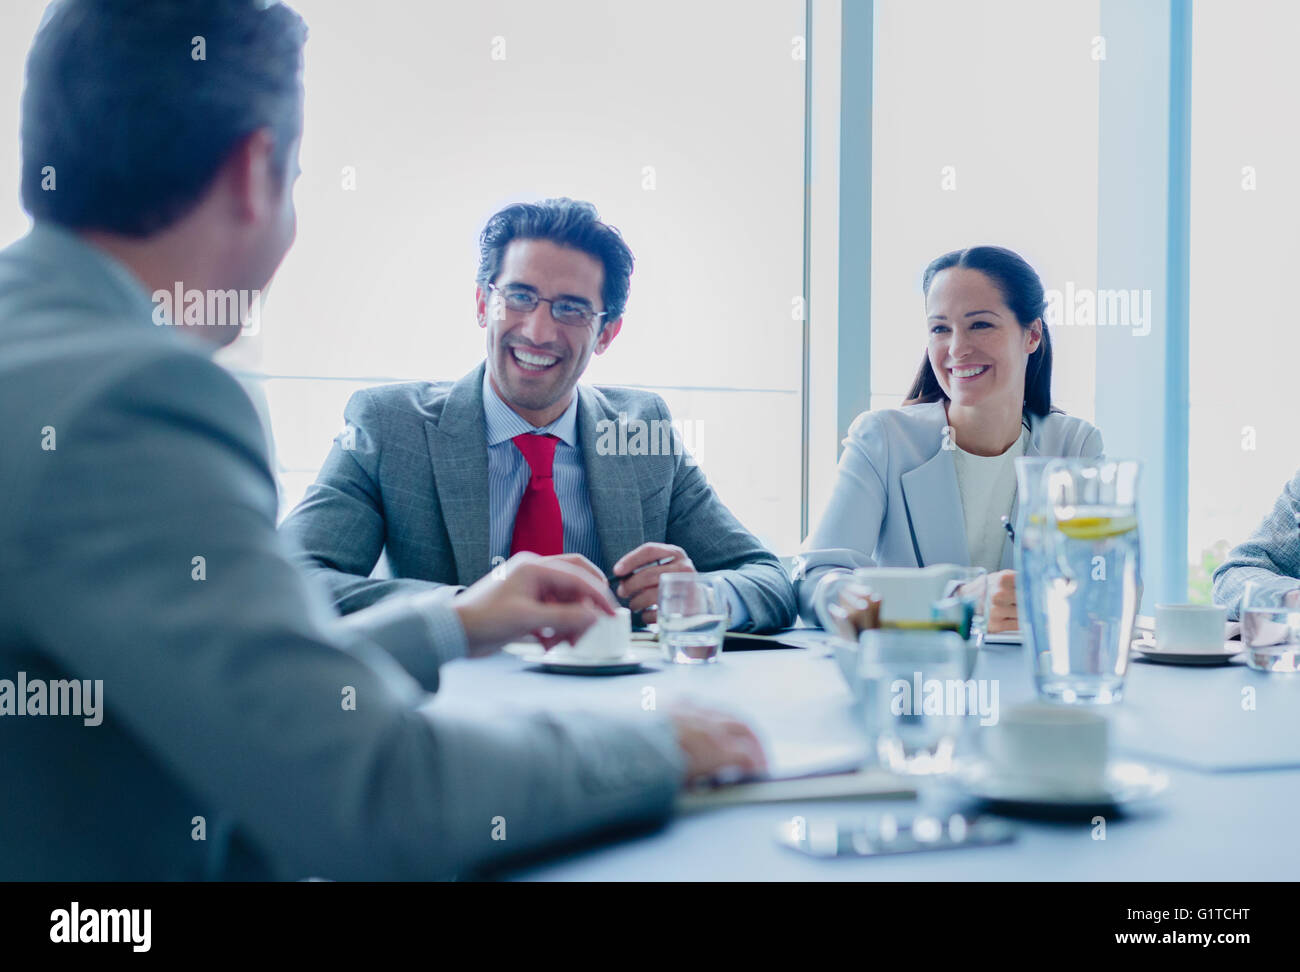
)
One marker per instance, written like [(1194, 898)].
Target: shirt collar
[(1013, 451), (502, 422)]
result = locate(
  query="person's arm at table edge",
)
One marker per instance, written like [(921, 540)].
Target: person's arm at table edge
[(422, 632), (845, 537), (337, 529), (1271, 555), (270, 743)]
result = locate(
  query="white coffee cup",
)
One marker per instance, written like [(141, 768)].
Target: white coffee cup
[(1191, 627), (1060, 746), (609, 637), (906, 593)]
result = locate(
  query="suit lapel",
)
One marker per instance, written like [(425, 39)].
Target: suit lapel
[(934, 511), (458, 447), (611, 479), (1031, 452)]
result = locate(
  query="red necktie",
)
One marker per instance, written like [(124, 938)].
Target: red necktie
[(538, 524)]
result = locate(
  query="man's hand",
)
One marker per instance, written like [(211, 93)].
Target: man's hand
[(715, 744), (581, 562), (1000, 590), (641, 590), (547, 597)]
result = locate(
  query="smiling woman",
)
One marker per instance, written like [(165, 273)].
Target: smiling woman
[(986, 289), (929, 483)]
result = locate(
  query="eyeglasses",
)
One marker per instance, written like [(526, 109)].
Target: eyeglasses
[(564, 310)]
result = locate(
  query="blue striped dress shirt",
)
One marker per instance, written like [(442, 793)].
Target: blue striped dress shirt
[(508, 475)]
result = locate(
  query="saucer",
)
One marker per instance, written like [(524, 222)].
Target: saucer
[(1124, 784), (1148, 650), (563, 662)]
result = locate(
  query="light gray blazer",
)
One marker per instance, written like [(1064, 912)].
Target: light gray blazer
[(223, 696), (896, 502), (414, 485), (1271, 556)]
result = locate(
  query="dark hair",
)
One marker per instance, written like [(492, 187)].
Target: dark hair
[(134, 122), (1022, 291), (567, 222)]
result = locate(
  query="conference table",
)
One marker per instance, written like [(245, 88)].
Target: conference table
[(1227, 737)]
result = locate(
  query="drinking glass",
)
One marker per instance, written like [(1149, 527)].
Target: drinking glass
[(913, 697), (1078, 570), (692, 619), (1270, 628)]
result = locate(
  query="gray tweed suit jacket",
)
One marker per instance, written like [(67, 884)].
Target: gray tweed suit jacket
[(127, 453), (412, 481), (1271, 556)]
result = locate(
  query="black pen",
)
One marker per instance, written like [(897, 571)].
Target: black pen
[(619, 578), (1011, 531)]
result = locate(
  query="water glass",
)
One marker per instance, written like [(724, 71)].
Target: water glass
[(1270, 628), (1078, 572), (692, 619), (912, 697)]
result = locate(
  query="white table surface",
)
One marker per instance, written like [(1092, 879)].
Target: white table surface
[(1224, 817)]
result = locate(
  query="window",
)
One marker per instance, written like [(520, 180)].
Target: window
[(683, 125), (1244, 442), (984, 131), (686, 127), (18, 22)]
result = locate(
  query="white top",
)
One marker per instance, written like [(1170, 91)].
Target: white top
[(988, 491), (896, 502)]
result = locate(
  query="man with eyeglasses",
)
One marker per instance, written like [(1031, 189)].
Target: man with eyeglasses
[(451, 479)]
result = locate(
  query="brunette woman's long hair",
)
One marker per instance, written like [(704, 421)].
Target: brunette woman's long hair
[(1022, 290)]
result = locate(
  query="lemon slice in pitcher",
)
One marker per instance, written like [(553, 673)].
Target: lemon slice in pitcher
[(1097, 527)]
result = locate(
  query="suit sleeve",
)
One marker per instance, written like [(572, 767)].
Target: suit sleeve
[(338, 529), (719, 545), (846, 535), (1092, 445), (153, 563), (1271, 556)]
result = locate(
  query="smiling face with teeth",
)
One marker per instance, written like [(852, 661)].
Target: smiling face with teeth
[(978, 349), (534, 361)]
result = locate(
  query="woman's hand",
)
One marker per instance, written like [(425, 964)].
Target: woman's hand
[(999, 591), (1003, 615)]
